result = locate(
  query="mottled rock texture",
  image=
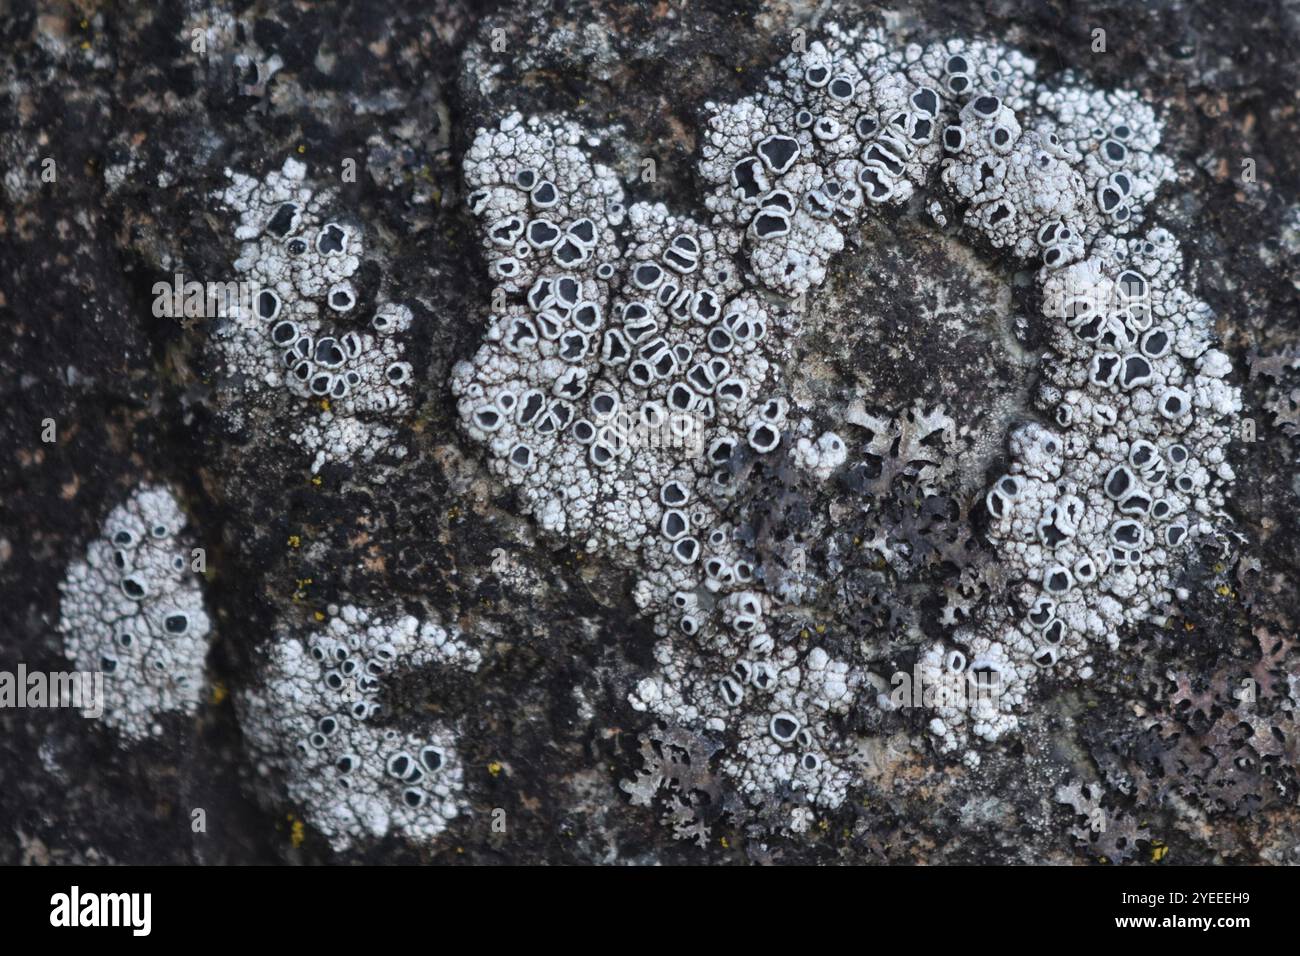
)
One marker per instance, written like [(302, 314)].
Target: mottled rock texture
[(887, 555)]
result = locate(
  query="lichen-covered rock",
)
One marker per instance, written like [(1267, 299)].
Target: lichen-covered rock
[(758, 438), (844, 126)]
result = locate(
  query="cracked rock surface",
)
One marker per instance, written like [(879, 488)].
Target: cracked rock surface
[(440, 625)]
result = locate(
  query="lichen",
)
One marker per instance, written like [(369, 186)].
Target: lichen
[(132, 609), (295, 327), (324, 721), (658, 314)]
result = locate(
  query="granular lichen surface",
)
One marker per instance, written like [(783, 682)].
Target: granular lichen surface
[(703, 434)]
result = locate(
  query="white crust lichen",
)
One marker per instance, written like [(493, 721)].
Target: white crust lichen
[(662, 314), (133, 610), (294, 328), (318, 723)]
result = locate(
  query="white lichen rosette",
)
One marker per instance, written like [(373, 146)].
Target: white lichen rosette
[(132, 610), (296, 328), (317, 724)]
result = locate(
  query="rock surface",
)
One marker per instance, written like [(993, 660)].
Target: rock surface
[(145, 114)]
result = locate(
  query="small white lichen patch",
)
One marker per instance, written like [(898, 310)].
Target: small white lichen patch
[(132, 609), (297, 330), (822, 457), (317, 722)]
